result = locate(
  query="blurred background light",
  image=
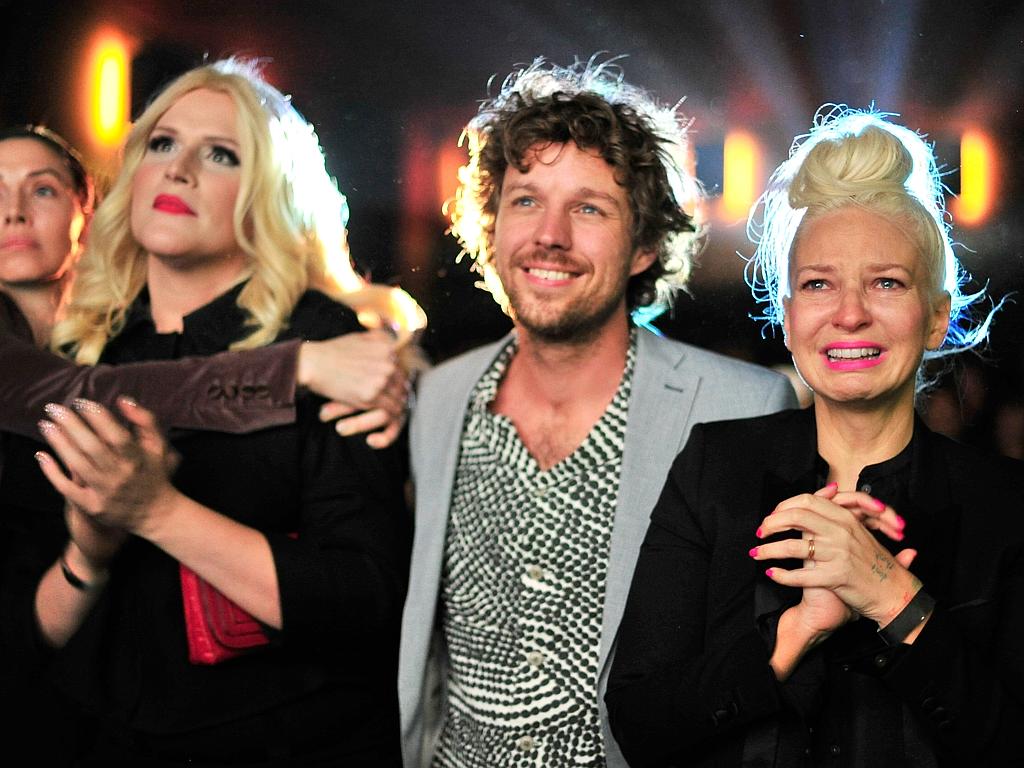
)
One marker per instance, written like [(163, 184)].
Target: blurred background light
[(109, 83), (978, 177)]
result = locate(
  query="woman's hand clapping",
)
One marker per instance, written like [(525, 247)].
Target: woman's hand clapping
[(119, 476)]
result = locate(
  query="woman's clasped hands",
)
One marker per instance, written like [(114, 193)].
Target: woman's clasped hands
[(846, 572)]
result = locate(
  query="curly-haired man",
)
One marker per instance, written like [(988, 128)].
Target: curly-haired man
[(537, 459)]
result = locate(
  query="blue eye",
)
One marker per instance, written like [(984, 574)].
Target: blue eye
[(525, 201), (160, 143), (889, 283), (590, 209), (223, 156), (815, 284), (45, 190)]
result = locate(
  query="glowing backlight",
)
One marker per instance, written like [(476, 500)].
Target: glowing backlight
[(740, 163), (978, 164), (108, 107)]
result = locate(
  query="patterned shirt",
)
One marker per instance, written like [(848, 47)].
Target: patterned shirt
[(526, 558)]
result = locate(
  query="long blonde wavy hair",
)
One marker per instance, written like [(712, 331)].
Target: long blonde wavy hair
[(289, 220)]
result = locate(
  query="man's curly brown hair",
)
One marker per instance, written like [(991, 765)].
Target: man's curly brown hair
[(591, 106)]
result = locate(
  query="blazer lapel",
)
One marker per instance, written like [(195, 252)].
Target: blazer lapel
[(790, 470), (660, 403)]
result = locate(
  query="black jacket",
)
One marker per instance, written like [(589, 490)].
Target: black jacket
[(691, 684), (326, 685)]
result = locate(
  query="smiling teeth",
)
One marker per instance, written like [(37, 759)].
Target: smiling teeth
[(550, 274), (856, 353)]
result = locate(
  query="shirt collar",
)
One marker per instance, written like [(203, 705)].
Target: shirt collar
[(210, 328)]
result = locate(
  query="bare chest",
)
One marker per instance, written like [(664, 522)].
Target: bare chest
[(550, 434)]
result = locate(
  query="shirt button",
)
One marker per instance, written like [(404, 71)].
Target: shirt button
[(535, 572), (834, 749), (539, 491), (526, 743), (881, 661), (866, 487), (535, 659)]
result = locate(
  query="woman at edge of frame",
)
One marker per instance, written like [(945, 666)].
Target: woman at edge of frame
[(845, 589)]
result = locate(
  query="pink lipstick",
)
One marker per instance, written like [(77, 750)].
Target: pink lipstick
[(18, 244), (852, 355)]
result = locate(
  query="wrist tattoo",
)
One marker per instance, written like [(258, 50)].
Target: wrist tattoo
[(882, 565)]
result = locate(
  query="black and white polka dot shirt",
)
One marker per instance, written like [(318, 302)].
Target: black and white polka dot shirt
[(523, 589)]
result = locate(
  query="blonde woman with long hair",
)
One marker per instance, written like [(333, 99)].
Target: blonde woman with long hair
[(223, 231)]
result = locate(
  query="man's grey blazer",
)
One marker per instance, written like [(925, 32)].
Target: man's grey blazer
[(674, 387)]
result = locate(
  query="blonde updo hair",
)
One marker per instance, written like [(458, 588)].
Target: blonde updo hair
[(289, 218), (855, 157)]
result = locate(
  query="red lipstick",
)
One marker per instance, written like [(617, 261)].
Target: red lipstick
[(173, 205)]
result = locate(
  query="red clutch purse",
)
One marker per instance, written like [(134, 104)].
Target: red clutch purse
[(216, 628)]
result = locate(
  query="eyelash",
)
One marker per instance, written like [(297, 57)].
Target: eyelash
[(895, 283), (230, 156), (160, 143), (217, 153)]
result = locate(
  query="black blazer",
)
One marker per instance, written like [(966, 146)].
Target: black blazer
[(691, 683)]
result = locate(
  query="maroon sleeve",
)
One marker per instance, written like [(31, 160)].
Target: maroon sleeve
[(231, 392)]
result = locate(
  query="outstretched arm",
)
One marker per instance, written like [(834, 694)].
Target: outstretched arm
[(229, 392), (234, 392)]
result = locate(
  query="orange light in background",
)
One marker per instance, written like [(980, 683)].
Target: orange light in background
[(450, 158), (108, 89), (978, 171), (741, 161)]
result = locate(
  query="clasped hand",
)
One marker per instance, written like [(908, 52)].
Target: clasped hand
[(364, 377), (848, 572), (118, 475)]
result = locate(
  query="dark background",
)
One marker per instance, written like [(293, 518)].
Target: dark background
[(389, 85)]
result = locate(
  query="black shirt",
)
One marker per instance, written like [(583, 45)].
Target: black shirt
[(327, 683)]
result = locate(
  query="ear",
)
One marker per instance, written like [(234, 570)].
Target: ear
[(642, 259), (938, 322), (785, 322)]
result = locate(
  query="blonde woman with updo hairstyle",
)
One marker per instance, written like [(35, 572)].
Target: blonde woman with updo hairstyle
[(223, 599), (836, 585)]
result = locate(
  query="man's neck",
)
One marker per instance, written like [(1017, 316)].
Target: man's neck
[(556, 393)]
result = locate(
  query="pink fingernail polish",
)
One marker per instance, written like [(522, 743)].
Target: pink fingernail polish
[(832, 485), (47, 427), (768, 573), (901, 522), (758, 533), (85, 406), (41, 457), (753, 552), (54, 411), (879, 505)]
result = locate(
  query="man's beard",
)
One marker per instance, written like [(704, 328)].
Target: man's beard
[(576, 323)]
